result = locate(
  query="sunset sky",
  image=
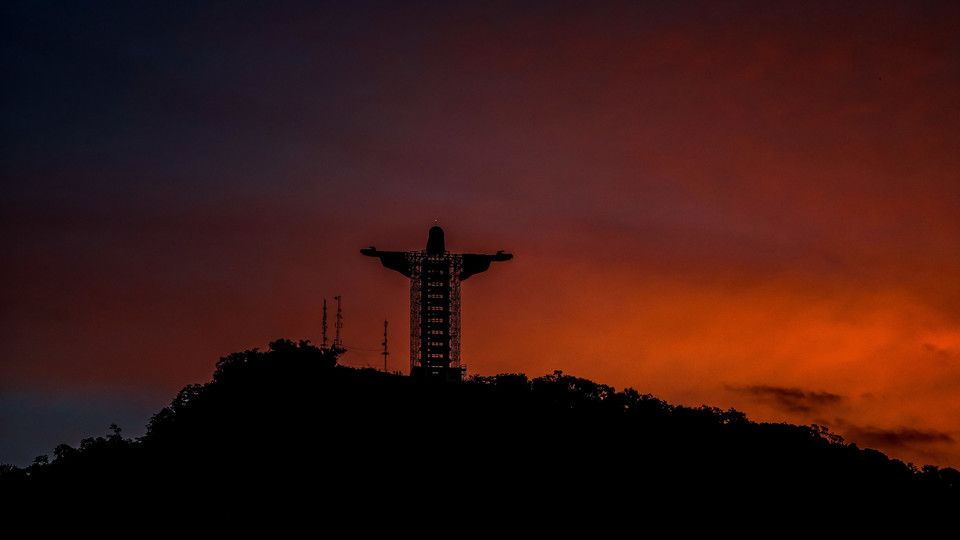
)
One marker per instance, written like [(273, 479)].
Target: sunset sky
[(741, 204)]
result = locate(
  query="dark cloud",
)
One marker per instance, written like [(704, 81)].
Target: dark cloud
[(789, 399), (900, 437), (940, 353)]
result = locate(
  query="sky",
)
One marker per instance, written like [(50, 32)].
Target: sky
[(741, 204)]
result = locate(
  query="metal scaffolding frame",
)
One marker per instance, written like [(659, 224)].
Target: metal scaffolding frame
[(435, 313), (413, 259), (435, 275)]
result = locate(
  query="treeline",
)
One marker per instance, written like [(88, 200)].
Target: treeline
[(290, 416)]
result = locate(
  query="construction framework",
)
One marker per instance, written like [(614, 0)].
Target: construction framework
[(435, 276), (435, 313)]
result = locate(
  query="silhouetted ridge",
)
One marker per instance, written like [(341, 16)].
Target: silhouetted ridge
[(291, 415)]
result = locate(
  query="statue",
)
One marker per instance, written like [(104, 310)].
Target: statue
[(435, 275)]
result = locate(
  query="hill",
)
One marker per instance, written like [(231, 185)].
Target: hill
[(291, 418)]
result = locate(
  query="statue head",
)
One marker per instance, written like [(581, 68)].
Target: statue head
[(435, 241)]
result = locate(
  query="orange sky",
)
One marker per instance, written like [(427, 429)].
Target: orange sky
[(735, 204)]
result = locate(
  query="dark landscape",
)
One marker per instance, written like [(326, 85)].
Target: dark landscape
[(290, 416), (504, 264)]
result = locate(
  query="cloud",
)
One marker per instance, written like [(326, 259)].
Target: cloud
[(794, 400), (919, 444), (941, 353), (900, 437)]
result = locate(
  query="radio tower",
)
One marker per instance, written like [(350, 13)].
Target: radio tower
[(385, 352), (338, 326), (323, 325)]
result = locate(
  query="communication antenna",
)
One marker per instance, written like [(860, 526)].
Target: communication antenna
[(323, 325), (385, 351), (338, 326)]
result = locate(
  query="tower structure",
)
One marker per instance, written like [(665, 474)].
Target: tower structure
[(435, 275), (338, 325), (385, 352), (323, 326)]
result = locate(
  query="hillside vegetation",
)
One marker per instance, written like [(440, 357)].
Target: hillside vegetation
[(290, 416)]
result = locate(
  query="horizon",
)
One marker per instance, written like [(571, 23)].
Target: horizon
[(740, 205)]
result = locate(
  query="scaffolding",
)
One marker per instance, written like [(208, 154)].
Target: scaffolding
[(435, 313), (435, 275), (413, 260)]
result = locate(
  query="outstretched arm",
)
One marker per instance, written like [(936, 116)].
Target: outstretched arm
[(474, 263), (394, 260)]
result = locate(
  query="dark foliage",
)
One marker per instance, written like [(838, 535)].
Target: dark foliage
[(290, 420)]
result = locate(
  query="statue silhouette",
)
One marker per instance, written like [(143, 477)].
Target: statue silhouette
[(435, 275)]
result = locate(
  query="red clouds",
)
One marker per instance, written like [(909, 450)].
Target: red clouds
[(699, 198)]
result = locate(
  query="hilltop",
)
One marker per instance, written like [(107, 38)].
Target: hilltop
[(290, 416)]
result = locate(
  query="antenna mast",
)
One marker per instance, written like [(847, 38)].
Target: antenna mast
[(385, 352), (338, 326), (323, 325)]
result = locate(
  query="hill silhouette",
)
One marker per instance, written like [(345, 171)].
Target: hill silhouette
[(291, 418)]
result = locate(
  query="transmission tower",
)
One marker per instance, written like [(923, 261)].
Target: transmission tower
[(338, 325), (385, 351), (323, 325)]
